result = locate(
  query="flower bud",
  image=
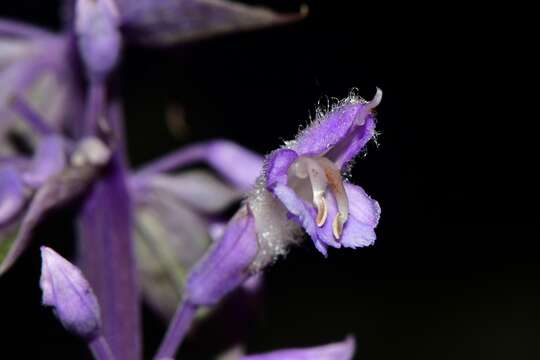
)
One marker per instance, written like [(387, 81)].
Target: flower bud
[(66, 290), (99, 38), (226, 266)]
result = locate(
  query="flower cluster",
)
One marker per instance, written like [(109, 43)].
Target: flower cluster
[(161, 230)]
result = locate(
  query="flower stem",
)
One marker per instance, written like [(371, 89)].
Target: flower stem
[(100, 349), (107, 253), (95, 106), (177, 330)]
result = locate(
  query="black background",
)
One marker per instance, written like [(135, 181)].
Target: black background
[(455, 271)]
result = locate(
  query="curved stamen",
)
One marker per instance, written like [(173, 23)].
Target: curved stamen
[(307, 167), (335, 182)]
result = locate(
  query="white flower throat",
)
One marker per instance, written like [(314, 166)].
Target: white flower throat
[(311, 177)]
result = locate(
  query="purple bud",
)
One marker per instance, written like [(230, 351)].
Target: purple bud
[(226, 264), (66, 290), (96, 24)]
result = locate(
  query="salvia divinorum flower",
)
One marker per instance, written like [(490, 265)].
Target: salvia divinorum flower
[(306, 177), (301, 185)]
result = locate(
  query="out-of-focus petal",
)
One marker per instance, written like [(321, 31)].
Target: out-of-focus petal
[(343, 350), (166, 22), (99, 39), (197, 189), (43, 76), (170, 239), (49, 160), (13, 28), (12, 194), (237, 164), (56, 191), (66, 290)]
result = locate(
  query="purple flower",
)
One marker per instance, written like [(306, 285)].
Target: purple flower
[(307, 177), (66, 290), (301, 184)]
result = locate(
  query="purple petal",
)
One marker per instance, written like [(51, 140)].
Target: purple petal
[(327, 131), (19, 29), (238, 165), (66, 290), (12, 194), (49, 160), (359, 230), (196, 189), (302, 213), (165, 22), (362, 208), (226, 264), (55, 192), (341, 133), (277, 166), (42, 76), (343, 350), (352, 145)]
